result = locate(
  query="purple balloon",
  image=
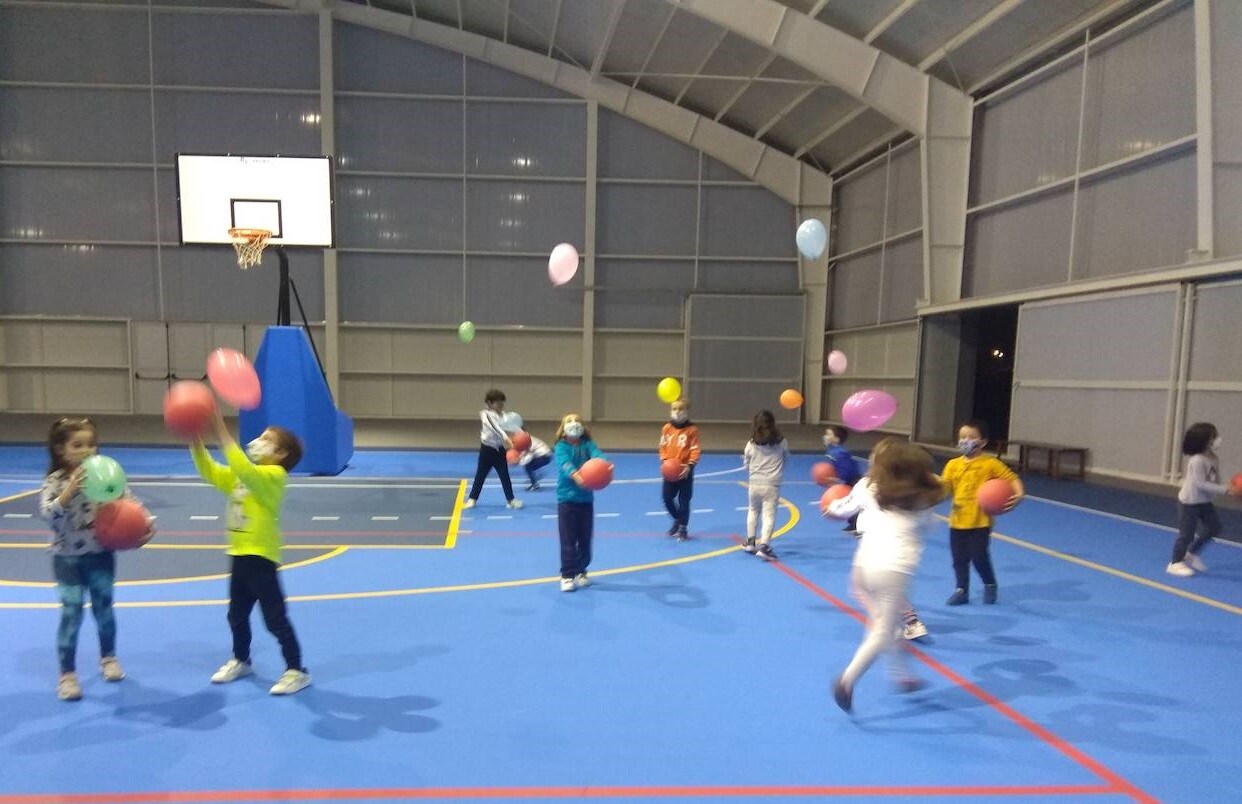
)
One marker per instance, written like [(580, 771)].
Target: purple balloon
[(867, 410)]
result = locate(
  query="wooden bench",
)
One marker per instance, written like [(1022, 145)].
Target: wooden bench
[(1054, 453)]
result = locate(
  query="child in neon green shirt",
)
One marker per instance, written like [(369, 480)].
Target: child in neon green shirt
[(256, 491)]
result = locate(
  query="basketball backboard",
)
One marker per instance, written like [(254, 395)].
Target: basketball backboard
[(289, 195)]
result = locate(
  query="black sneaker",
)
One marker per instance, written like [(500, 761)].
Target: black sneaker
[(843, 695), (989, 593), (958, 598), (765, 552), (749, 546), (533, 487), (673, 529), (682, 535)]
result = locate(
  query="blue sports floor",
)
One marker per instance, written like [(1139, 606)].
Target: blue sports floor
[(447, 664)]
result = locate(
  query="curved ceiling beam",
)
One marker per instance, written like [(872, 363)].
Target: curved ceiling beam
[(792, 180), (886, 84)]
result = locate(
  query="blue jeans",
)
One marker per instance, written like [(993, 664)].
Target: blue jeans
[(76, 577)]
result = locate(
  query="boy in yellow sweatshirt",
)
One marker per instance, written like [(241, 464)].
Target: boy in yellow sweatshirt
[(255, 491)]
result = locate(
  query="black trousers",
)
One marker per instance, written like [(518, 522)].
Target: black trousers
[(971, 546), (1191, 535), (535, 464), (677, 494), (576, 524), (254, 579), (491, 458)]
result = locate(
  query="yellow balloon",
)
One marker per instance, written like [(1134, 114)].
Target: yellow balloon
[(668, 390)]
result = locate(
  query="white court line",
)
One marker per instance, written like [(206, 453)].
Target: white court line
[(601, 516), (701, 510), (1122, 518), (385, 518), (499, 516), (440, 518), (657, 513), (325, 519), (18, 516), (205, 517), (742, 508), (549, 516)]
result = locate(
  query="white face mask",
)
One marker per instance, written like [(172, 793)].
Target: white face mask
[(574, 429), (258, 449), (679, 416), (1216, 442)]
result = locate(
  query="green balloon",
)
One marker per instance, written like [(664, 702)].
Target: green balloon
[(103, 479), (466, 331)]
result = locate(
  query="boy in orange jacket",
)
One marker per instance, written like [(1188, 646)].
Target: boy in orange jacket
[(679, 441)]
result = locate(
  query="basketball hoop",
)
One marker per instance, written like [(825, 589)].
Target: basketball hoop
[(249, 245)]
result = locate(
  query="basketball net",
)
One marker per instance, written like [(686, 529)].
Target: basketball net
[(249, 245)]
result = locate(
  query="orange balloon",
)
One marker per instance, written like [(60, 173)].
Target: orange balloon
[(833, 493), (791, 399)]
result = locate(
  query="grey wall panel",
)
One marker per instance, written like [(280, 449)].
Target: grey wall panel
[(630, 150), (730, 400), (905, 192), (275, 51), (516, 291), (1027, 138), (854, 290), (1021, 246), (401, 288), (1136, 219), (732, 358), (40, 124), (746, 221), (902, 285), (741, 277), (104, 280), (204, 283), (1216, 341), (207, 122), (63, 43), (99, 204), (484, 80), (754, 315), (1227, 201), (524, 216), (640, 294), (376, 212), (860, 208), (525, 139), (715, 170), (1140, 90), (399, 135), (1126, 338), (657, 220), (1130, 444), (372, 61), (1226, 46)]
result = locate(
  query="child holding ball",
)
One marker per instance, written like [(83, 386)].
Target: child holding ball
[(575, 503)]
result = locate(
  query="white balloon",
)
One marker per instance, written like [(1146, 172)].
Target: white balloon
[(812, 239)]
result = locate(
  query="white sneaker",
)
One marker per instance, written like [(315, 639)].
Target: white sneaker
[(1195, 563), (581, 580), (914, 630), (231, 671), (291, 681), (515, 503), (469, 503), (1179, 569), (567, 585), (111, 669)]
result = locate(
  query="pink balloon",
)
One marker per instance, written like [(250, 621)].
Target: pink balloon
[(867, 410), (837, 362), (563, 264), (234, 378)]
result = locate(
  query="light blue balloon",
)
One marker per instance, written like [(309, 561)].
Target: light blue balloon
[(510, 421), (812, 239)]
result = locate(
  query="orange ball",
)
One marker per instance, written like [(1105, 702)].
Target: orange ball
[(671, 470), (513, 456), (121, 524), (188, 408), (595, 474), (521, 440), (833, 493), (994, 495), (791, 399), (1236, 483), (823, 473)]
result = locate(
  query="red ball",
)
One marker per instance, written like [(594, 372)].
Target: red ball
[(836, 492), (672, 469), (122, 524), (521, 440), (1236, 483), (823, 473), (513, 456), (595, 474), (994, 495), (188, 408)]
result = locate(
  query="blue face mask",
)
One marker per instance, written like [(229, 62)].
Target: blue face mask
[(968, 446), (574, 429)]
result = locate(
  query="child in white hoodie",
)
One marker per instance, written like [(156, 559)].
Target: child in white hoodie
[(764, 458)]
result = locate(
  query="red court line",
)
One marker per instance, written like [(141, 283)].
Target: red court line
[(704, 791), (1117, 784)]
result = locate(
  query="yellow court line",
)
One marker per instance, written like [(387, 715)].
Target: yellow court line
[(450, 538), (13, 497), (1082, 562), (794, 517)]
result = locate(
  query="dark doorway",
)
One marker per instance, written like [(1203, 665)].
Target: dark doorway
[(993, 333)]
